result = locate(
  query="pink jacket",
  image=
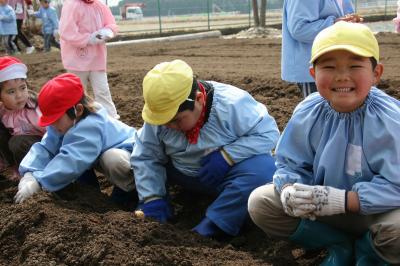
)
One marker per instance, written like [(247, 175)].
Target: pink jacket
[(20, 11), (77, 22), (22, 122)]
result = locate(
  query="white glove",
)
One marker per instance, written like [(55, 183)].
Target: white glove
[(106, 34), (30, 12), (327, 200), (26, 188), (55, 34), (95, 39), (297, 203)]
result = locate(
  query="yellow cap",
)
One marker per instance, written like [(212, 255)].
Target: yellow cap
[(353, 37), (165, 88)]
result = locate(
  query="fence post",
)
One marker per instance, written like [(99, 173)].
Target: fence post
[(250, 13), (159, 17), (385, 8), (355, 6), (208, 14)]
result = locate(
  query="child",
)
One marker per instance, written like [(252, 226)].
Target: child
[(8, 27), (301, 22), (338, 160), (85, 26), (197, 135), (396, 20), (18, 111), (80, 135), (49, 18), (20, 13)]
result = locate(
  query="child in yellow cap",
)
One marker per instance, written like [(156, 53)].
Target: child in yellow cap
[(338, 160), (206, 136)]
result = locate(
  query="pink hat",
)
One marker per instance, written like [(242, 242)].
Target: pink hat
[(12, 68), (57, 96)]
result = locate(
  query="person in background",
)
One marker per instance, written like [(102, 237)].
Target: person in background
[(19, 7), (85, 26), (396, 20), (19, 114), (8, 27), (197, 135), (337, 183), (301, 22), (49, 18), (80, 135)]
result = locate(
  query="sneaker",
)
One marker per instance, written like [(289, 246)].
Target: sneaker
[(30, 50)]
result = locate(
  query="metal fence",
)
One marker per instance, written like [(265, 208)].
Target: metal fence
[(161, 17)]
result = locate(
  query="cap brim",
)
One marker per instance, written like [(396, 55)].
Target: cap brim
[(157, 119), (350, 48), (45, 121)]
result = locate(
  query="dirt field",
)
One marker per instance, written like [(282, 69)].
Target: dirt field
[(82, 227)]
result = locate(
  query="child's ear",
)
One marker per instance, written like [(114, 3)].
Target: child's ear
[(79, 109), (312, 72), (378, 71)]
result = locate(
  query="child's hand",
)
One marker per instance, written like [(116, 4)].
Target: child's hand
[(95, 39), (328, 200), (158, 209), (214, 168), (297, 203), (27, 187), (355, 18)]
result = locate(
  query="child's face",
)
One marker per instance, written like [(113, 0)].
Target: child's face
[(63, 124), (14, 94), (187, 119), (345, 79), (44, 4)]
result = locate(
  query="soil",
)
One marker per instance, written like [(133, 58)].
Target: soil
[(80, 226)]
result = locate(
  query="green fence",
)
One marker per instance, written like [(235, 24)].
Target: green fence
[(165, 16)]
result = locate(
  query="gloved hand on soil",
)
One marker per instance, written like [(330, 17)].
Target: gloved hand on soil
[(214, 169), (327, 200), (95, 38), (158, 209), (298, 203), (27, 187), (106, 34)]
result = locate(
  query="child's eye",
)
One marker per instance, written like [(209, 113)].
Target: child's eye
[(10, 91), (328, 67), (356, 66)]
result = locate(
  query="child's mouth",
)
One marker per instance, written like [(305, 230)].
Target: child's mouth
[(342, 89)]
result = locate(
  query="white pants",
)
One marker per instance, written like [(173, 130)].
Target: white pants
[(98, 81), (116, 166)]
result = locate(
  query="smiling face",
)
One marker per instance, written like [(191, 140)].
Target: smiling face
[(344, 79), (14, 94)]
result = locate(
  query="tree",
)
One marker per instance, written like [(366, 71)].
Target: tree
[(259, 17)]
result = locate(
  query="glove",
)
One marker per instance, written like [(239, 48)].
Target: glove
[(297, 203), (55, 34), (158, 209), (26, 188), (95, 39), (106, 34), (30, 12), (214, 169), (327, 200)]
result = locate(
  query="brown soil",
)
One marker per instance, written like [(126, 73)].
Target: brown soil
[(82, 227)]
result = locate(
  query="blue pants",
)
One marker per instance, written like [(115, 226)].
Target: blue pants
[(229, 210)]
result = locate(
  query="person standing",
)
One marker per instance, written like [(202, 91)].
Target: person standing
[(85, 26), (8, 27), (49, 18), (301, 21), (19, 7)]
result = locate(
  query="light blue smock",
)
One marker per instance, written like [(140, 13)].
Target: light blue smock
[(302, 20), (59, 160), (49, 19), (237, 122), (357, 151), (8, 22)]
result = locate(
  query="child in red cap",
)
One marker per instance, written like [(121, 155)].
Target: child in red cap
[(80, 135), (19, 114)]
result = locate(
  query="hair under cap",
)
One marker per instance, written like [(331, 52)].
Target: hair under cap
[(353, 37), (165, 88)]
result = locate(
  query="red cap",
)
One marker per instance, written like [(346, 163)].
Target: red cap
[(57, 96), (12, 68)]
